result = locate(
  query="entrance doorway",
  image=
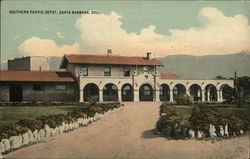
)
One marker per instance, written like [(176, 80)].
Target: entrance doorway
[(16, 93), (127, 93), (146, 93), (110, 92), (91, 91)]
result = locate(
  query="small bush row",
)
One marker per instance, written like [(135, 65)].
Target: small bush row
[(40, 103), (204, 122), (53, 121)]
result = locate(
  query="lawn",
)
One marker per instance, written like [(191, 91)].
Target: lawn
[(225, 110), (11, 114)]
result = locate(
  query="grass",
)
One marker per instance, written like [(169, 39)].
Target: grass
[(11, 114), (225, 110)]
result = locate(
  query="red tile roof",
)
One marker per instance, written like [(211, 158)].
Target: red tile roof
[(36, 76), (169, 76), (104, 59)]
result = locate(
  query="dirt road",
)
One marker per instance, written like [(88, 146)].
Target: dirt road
[(129, 134)]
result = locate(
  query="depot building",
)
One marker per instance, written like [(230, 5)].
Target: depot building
[(102, 78)]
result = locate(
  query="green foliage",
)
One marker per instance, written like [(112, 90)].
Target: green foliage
[(55, 120), (92, 101), (13, 130), (174, 126), (12, 114), (78, 114), (202, 116), (241, 91), (171, 124), (236, 124), (184, 100), (32, 124)]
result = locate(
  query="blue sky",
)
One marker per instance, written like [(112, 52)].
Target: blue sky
[(127, 27)]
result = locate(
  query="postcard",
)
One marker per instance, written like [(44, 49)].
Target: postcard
[(125, 79)]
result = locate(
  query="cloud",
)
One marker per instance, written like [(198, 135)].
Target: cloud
[(46, 47), (218, 35), (60, 35)]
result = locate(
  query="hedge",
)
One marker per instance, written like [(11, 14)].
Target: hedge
[(204, 122), (54, 121)]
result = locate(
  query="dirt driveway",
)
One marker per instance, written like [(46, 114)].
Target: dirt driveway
[(128, 134)]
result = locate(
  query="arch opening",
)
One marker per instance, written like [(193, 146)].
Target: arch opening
[(110, 92), (226, 92), (91, 91), (127, 92), (210, 93), (146, 92), (164, 92), (178, 90), (196, 92)]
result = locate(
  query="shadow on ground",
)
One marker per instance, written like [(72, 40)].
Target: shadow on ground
[(152, 133)]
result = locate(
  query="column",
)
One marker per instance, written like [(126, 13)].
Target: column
[(119, 95), (199, 95), (203, 95), (171, 95), (136, 96), (157, 95), (81, 96), (219, 96), (208, 96), (188, 92), (100, 95)]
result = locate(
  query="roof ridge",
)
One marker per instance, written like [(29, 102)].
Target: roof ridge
[(103, 55), (31, 71)]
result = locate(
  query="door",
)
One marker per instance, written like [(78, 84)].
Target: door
[(16, 93)]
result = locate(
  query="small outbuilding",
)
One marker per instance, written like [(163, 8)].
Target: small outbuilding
[(36, 86)]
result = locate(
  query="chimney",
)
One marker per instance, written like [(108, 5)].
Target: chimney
[(149, 55), (109, 52), (235, 74)]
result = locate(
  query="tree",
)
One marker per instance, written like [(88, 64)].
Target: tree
[(220, 77), (241, 90)]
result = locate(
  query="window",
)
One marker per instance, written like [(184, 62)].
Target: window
[(60, 87), (126, 72), (38, 87), (84, 71), (107, 71), (146, 69)]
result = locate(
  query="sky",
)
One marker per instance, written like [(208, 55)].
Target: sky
[(129, 28)]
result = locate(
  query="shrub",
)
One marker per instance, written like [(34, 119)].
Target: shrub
[(184, 100), (78, 114), (236, 124), (170, 123), (32, 124), (56, 120), (92, 101), (202, 116), (13, 130)]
